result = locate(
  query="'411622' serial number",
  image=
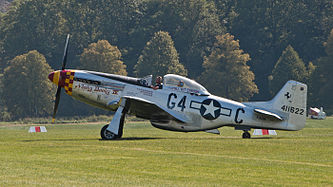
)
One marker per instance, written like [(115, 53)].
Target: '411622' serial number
[(293, 110)]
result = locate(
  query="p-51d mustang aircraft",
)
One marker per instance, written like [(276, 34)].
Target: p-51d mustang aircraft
[(180, 105)]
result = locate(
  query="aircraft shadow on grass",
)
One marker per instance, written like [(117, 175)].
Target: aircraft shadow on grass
[(273, 138), (87, 139), (144, 138), (262, 138), (133, 138)]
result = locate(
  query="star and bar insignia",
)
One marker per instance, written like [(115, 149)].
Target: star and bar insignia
[(210, 109)]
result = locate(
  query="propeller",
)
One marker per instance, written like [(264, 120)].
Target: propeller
[(64, 61), (64, 58)]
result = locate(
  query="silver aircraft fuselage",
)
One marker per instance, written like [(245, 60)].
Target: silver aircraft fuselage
[(190, 109)]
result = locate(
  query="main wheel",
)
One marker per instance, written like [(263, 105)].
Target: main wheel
[(108, 135), (246, 134)]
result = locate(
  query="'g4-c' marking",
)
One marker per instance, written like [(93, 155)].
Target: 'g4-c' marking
[(171, 104), (293, 110)]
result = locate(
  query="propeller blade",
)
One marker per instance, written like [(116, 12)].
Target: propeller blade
[(64, 59), (56, 103)]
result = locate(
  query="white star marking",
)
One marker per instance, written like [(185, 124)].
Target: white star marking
[(210, 109)]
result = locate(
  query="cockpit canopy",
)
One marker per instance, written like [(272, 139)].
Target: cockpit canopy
[(183, 84)]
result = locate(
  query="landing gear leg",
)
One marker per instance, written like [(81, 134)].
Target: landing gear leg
[(246, 134), (114, 130)]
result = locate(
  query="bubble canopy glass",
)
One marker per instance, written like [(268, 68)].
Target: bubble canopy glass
[(183, 84)]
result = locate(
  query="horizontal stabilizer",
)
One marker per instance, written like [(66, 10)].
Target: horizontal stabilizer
[(269, 115), (213, 131)]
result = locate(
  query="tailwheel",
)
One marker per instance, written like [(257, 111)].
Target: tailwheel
[(108, 135), (246, 134)]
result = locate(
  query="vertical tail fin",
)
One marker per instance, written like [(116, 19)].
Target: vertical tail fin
[(291, 100)]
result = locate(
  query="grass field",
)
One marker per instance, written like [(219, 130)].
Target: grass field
[(73, 155)]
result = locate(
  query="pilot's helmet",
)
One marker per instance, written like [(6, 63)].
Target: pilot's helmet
[(158, 79), (181, 83)]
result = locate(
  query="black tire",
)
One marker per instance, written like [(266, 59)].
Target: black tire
[(107, 135), (246, 135)]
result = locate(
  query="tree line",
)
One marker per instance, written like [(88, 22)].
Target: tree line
[(237, 49)]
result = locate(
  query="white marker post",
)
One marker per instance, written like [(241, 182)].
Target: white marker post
[(260, 132), (37, 129)]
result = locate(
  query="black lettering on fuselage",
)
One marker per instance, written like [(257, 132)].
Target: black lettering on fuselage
[(236, 116), (173, 104)]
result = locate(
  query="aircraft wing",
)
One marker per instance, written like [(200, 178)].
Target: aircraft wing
[(269, 115), (149, 110)]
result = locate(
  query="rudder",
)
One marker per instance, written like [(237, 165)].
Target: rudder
[(291, 100)]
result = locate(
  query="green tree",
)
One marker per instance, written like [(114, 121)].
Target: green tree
[(226, 10), (159, 57), (4, 115), (121, 20), (192, 24), (266, 28), (27, 90), (289, 67), (203, 37), (322, 84), (102, 56), (226, 72), (30, 25)]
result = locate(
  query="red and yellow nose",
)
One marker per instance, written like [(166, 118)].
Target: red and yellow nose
[(63, 78), (55, 77)]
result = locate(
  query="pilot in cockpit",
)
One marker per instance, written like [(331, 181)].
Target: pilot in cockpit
[(158, 84), (180, 83)]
